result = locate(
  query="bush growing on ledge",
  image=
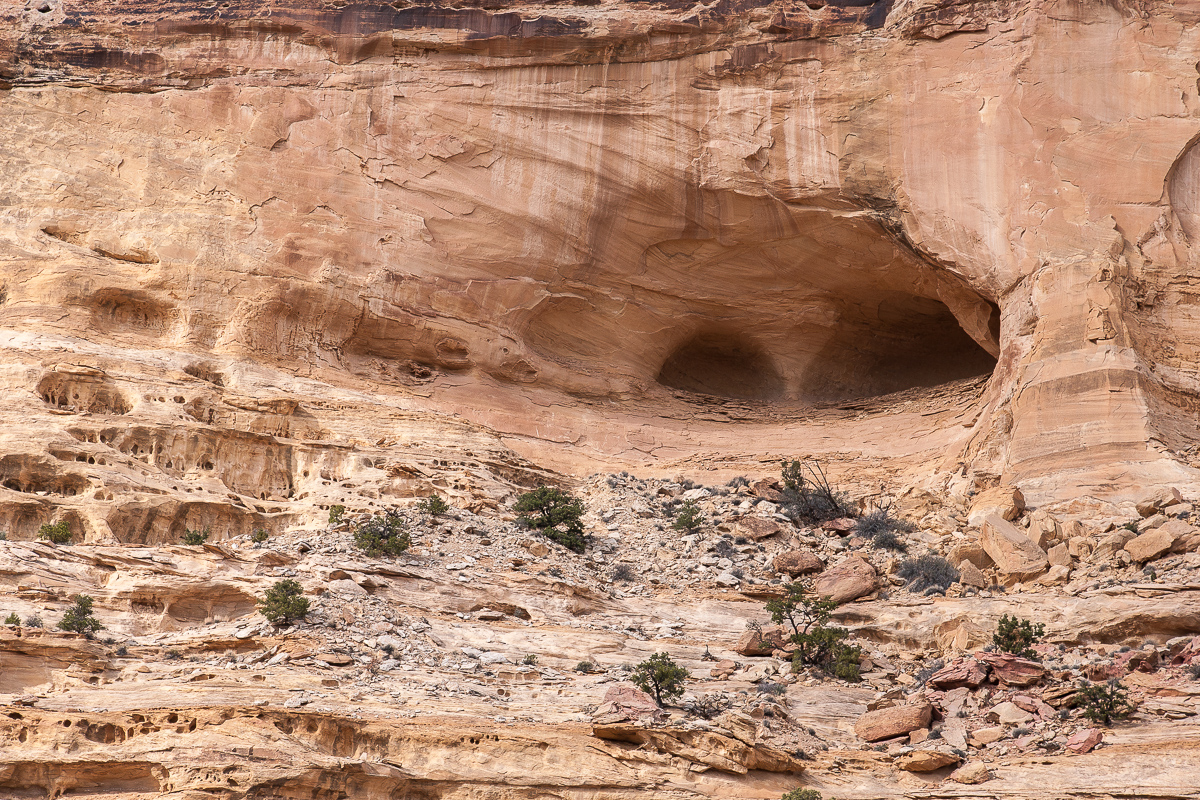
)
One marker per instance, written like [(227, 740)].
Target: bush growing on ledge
[(555, 514), (433, 505), (883, 530), (928, 574), (259, 536), (283, 602), (1017, 636), (12, 619), (807, 494), (689, 518), (33, 621), (196, 538), (816, 643), (382, 535), (1104, 703), (660, 676), (802, 794), (336, 513), (79, 619), (58, 533)]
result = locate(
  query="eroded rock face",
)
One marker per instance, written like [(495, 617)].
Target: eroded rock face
[(774, 205)]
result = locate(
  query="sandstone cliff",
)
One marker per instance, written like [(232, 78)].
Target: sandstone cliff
[(258, 259)]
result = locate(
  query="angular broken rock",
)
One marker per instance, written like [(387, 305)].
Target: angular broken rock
[(960, 672), (1009, 713), (761, 642), (970, 551), (1084, 741), (755, 528), (1016, 556), (926, 760), (849, 580), (334, 659), (972, 774), (798, 562), (625, 703), (1012, 670), (1150, 545), (971, 575), (1157, 500), (1005, 501), (888, 723)]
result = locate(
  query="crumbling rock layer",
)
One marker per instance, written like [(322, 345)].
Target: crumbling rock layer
[(581, 235)]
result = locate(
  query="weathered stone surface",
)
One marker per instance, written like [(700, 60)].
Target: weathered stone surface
[(849, 580), (1059, 556), (926, 760), (960, 672), (1017, 558), (971, 774), (1012, 670), (755, 528), (1155, 501), (970, 551), (1150, 545), (1005, 501), (761, 642), (1085, 740), (1009, 713), (798, 562), (970, 575), (887, 723)]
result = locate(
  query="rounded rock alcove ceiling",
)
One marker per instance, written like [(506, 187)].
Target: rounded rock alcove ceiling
[(835, 312)]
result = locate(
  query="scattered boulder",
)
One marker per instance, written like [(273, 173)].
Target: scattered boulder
[(988, 735), (960, 672), (972, 774), (838, 526), (798, 562), (1150, 545), (1012, 670), (849, 580), (767, 489), (1005, 501), (971, 575), (1017, 558), (1157, 500), (926, 760), (627, 703), (1084, 741), (761, 642), (1009, 713), (1059, 555), (970, 551), (888, 723), (755, 528)]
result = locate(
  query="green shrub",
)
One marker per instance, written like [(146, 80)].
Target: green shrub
[(79, 619), (556, 514), (815, 643), (807, 494), (259, 536), (928, 574), (433, 505), (283, 602), (802, 794), (12, 619), (660, 676), (689, 517), (33, 621), (382, 535), (3, 536), (58, 533), (336, 513), (196, 538), (1103, 703), (530, 660), (1017, 636), (586, 667)]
